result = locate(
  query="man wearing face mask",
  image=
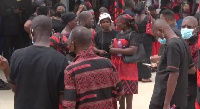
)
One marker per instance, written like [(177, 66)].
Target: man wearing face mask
[(175, 64), (57, 23), (189, 33), (168, 16)]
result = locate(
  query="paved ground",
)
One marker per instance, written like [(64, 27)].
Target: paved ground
[(140, 101)]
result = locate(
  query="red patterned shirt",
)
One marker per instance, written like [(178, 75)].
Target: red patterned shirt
[(91, 82)]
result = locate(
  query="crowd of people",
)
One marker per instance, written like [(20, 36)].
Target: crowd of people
[(71, 60)]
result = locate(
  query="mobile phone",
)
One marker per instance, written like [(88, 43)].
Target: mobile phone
[(146, 64)]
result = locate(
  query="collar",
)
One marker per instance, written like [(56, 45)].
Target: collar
[(193, 40), (172, 25), (85, 54)]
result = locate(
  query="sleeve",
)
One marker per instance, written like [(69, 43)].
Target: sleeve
[(134, 39), (69, 101), (173, 57), (13, 69)]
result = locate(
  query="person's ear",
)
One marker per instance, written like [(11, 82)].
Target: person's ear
[(161, 32), (166, 19)]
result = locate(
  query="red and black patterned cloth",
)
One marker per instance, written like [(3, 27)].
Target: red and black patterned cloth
[(91, 82), (197, 105)]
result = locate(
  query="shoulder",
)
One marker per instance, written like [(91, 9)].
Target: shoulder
[(176, 43), (104, 62), (114, 31)]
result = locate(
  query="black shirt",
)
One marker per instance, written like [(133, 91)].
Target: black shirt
[(57, 25), (38, 73), (176, 58), (103, 41)]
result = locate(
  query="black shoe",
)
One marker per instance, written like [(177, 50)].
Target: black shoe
[(4, 86)]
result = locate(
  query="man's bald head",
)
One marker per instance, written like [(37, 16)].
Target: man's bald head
[(190, 21), (84, 15), (41, 26), (159, 23), (160, 28), (86, 19), (82, 37)]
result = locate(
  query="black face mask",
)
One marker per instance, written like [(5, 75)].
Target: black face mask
[(59, 13)]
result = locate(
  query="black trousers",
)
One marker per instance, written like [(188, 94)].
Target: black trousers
[(152, 106), (191, 102)]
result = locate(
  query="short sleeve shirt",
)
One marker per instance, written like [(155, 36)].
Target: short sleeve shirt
[(175, 59), (38, 73)]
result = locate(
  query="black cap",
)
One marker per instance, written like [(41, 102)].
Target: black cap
[(67, 17)]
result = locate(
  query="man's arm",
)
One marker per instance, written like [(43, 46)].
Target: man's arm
[(171, 86)]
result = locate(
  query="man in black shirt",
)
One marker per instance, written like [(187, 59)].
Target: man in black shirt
[(168, 16), (37, 71), (173, 69)]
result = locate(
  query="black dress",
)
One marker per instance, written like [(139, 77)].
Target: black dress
[(144, 71)]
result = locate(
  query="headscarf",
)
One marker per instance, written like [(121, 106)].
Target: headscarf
[(128, 20)]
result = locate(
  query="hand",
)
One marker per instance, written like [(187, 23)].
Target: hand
[(3, 63), (154, 65), (155, 58), (81, 7), (102, 52), (166, 106), (114, 50)]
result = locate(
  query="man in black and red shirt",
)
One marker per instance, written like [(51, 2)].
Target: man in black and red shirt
[(191, 23), (91, 82)]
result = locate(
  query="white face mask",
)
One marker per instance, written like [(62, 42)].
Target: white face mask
[(187, 33)]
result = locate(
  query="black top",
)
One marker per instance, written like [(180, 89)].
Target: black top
[(144, 38), (57, 25), (38, 73), (176, 58), (103, 41), (131, 37)]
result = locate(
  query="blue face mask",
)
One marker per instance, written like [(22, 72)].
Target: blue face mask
[(162, 41), (187, 33)]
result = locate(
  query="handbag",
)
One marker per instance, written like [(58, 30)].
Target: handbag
[(137, 57), (148, 26)]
